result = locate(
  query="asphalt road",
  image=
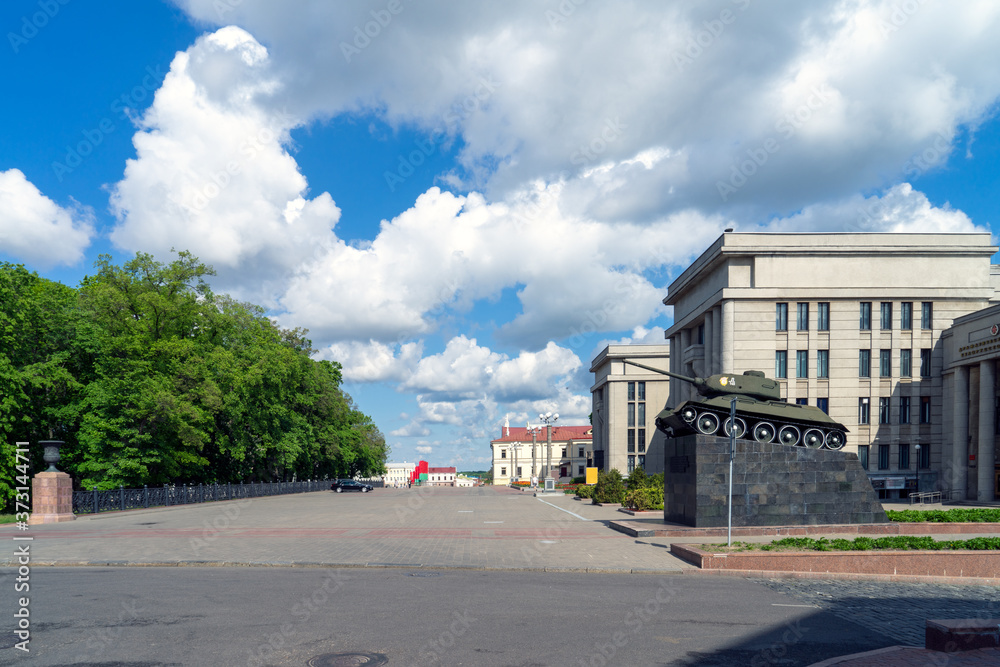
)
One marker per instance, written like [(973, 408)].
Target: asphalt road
[(288, 616)]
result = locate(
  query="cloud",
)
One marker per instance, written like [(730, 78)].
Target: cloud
[(36, 230), (424, 449)]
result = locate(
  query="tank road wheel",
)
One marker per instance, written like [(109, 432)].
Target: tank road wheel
[(835, 440), (788, 435), (689, 414), (708, 423), (813, 438), (741, 427), (763, 432)]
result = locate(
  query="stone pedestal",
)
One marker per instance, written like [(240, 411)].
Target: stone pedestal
[(51, 498), (773, 485)]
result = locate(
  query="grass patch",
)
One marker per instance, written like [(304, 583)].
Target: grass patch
[(891, 542), (959, 514), (6, 518)]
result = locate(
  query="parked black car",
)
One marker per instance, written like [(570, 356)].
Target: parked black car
[(342, 485)]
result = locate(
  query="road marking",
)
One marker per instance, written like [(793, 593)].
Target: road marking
[(464, 511), (492, 521), (581, 518), (810, 606)]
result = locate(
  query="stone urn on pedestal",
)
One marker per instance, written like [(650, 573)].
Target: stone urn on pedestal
[(52, 490)]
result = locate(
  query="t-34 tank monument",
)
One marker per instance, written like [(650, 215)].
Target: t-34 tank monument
[(789, 471)]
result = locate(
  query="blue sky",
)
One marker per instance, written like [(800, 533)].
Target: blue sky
[(464, 204)]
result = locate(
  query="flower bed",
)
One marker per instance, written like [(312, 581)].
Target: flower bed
[(890, 542), (956, 515)]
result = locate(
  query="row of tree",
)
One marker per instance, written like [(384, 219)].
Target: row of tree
[(151, 378)]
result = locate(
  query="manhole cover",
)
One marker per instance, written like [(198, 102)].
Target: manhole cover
[(348, 660), (425, 574)]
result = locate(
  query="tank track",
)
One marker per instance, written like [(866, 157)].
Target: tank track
[(787, 432)]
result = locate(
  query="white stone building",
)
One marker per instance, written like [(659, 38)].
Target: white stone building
[(626, 400), (850, 323), (398, 474), (523, 451)]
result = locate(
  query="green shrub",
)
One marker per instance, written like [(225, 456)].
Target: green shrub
[(579, 480), (646, 498), (585, 491), (610, 488), (637, 479), (893, 542), (656, 481), (959, 514)]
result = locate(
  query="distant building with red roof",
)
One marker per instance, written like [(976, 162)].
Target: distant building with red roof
[(516, 457)]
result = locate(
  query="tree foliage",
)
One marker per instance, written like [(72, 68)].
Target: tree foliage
[(151, 378)]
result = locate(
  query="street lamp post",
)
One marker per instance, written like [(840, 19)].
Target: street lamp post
[(548, 418), (917, 447), (533, 430)]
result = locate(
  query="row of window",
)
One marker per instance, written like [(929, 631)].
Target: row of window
[(581, 470), (636, 435), (581, 451), (864, 363), (903, 453), (865, 318), (905, 410)]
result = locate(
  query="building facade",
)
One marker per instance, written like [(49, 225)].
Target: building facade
[(398, 474), (521, 452), (441, 476), (971, 352), (849, 323), (626, 399)]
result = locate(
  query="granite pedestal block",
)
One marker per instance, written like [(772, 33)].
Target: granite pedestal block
[(773, 485), (51, 498)]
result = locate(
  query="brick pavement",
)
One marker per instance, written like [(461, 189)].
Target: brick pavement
[(482, 528)]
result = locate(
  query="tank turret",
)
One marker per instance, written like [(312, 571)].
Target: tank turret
[(760, 412)]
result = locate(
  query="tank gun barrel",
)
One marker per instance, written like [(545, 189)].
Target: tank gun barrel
[(700, 382)]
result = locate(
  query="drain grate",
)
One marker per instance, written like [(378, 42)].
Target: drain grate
[(348, 660)]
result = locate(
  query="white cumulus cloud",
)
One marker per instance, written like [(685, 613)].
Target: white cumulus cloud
[(36, 230)]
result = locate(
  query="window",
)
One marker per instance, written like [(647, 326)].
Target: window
[(823, 404), (631, 464), (822, 363), (905, 363), (781, 364), (802, 323), (863, 456), (802, 364), (886, 315), (503, 472), (904, 409), (866, 316), (924, 456), (636, 416), (581, 470), (925, 409), (801, 401), (503, 453), (864, 363), (906, 315), (925, 363), (642, 461), (885, 363), (864, 411), (904, 457), (518, 471), (823, 316), (581, 453), (883, 410), (883, 457), (926, 315), (781, 317), (701, 334), (563, 452)]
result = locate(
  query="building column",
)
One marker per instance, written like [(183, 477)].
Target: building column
[(673, 396), (717, 340), (707, 347), (685, 343), (959, 474), (986, 455), (727, 333)]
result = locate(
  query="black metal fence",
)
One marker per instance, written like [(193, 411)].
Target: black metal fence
[(120, 499)]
